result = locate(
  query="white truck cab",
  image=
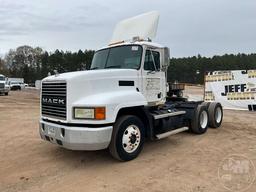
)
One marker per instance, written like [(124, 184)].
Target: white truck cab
[(122, 99), (4, 87)]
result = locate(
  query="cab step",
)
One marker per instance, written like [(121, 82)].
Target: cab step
[(172, 132), (171, 114)]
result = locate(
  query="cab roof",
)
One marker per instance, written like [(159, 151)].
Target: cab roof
[(146, 43)]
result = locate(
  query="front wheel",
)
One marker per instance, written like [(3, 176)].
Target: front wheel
[(127, 138)]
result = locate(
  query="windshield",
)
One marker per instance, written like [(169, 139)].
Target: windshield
[(123, 57), (2, 78)]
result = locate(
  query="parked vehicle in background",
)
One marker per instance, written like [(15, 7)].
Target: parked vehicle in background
[(14, 85), (4, 87)]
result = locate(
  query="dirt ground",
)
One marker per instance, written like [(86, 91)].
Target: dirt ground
[(183, 162)]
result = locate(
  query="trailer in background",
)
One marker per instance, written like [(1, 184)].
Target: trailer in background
[(12, 79), (235, 89)]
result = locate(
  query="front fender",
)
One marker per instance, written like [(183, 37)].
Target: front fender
[(113, 101)]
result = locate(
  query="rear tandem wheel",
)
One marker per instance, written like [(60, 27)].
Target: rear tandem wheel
[(200, 121)]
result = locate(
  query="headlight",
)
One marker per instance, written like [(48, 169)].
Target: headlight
[(98, 113)]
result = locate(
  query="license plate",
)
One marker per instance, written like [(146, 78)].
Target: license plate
[(51, 130)]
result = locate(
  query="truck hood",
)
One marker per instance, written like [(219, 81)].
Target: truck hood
[(85, 83), (108, 87), (94, 74)]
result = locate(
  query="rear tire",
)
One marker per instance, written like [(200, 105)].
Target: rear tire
[(206, 104), (127, 138), (215, 115), (199, 123)]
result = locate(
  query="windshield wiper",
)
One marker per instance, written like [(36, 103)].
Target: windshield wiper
[(113, 66)]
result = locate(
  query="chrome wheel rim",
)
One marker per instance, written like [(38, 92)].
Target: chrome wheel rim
[(218, 115), (131, 138), (203, 119)]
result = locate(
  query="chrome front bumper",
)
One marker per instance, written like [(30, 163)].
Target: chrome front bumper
[(76, 138), (3, 90)]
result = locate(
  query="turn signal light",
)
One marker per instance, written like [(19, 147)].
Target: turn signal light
[(100, 113)]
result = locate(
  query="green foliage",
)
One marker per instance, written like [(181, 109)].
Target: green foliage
[(3, 69)]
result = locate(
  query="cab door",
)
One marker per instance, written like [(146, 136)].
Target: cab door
[(153, 77)]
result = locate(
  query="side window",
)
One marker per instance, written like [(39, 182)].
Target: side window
[(152, 61), (156, 56)]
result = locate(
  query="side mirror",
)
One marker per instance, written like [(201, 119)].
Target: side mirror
[(166, 61)]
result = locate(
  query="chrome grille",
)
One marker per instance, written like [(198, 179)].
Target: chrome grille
[(53, 99), (1, 85)]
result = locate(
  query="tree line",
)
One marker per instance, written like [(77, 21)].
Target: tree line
[(35, 63)]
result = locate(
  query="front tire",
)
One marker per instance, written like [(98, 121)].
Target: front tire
[(127, 138)]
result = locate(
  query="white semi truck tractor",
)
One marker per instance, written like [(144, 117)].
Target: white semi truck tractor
[(4, 87), (122, 100)]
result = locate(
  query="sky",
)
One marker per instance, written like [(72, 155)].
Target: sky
[(187, 27)]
